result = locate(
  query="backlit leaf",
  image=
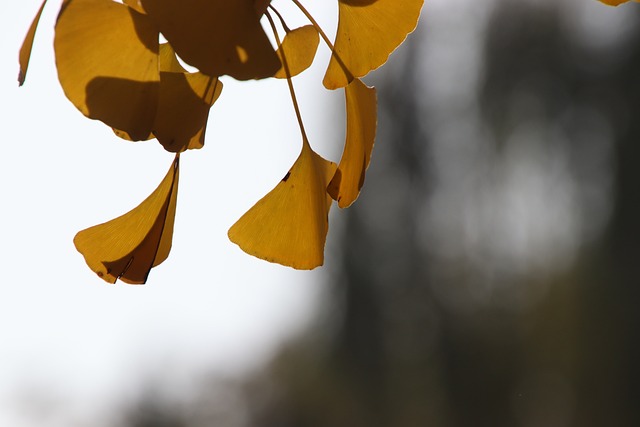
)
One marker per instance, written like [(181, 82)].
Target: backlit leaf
[(27, 46), (289, 225), (183, 105), (299, 47), (107, 60), (219, 37), (183, 110), (615, 2), (127, 247), (368, 31), (185, 100), (361, 132)]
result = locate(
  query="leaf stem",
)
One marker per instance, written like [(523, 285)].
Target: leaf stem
[(325, 38), (289, 82), (284, 25)]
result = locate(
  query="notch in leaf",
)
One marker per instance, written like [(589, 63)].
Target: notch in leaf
[(127, 247)]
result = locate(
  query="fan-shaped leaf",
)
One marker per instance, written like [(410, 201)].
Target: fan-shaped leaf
[(299, 47), (107, 59), (127, 247), (368, 31), (289, 225)]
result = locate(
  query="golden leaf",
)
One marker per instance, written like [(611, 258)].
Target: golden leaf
[(185, 100), (368, 31), (615, 2), (107, 60), (183, 110), (219, 37), (127, 247), (183, 105), (289, 225), (27, 46), (361, 132), (299, 47)]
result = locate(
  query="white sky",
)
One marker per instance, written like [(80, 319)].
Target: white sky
[(68, 336)]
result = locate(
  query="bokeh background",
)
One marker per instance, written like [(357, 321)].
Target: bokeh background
[(487, 276)]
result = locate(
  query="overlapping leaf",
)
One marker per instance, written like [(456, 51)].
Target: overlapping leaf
[(184, 103), (361, 132), (299, 47), (127, 247), (107, 60), (368, 31), (112, 68), (219, 37)]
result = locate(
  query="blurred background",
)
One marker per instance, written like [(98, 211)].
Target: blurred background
[(488, 274)]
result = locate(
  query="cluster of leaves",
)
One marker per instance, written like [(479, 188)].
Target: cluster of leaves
[(113, 68)]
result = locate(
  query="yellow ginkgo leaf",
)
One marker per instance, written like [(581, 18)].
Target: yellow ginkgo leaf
[(183, 110), (289, 225), (127, 247), (219, 37), (183, 105), (614, 2), (27, 45), (361, 132), (107, 60), (368, 31), (299, 47), (185, 100), (167, 62)]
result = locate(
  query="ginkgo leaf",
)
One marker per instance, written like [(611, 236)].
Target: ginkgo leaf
[(185, 100), (289, 225), (183, 110), (127, 247), (27, 46), (361, 133), (368, 31), (299, 47), (167, 61), (183, 105), (219, 37), (107, 60), (615, 2)]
